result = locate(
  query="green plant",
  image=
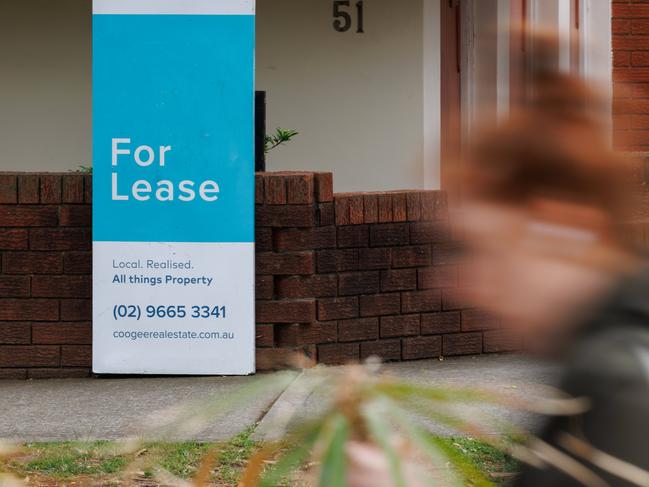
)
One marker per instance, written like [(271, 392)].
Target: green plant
[(374, 434), (280, 137)]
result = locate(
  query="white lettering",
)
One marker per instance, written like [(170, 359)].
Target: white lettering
[(141, 190), (116, 195), (117, 151), (138, 153), (209, 191), (165, 191), (187, 190)]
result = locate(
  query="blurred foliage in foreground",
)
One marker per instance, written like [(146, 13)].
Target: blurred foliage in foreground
[(374, 431), (95, 463)]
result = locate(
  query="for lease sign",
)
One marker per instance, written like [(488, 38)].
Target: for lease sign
[(173, 186)]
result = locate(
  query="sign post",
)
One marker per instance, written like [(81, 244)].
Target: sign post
[(173, 187)]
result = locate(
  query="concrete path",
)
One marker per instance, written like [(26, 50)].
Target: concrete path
[(511, 376), (192, 408)]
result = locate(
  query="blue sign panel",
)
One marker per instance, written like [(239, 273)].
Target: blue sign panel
[(173, 186)]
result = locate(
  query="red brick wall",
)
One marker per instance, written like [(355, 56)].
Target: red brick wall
[(631, 74), (340, 277)]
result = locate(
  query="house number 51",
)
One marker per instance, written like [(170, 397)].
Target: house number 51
[(343, 18)]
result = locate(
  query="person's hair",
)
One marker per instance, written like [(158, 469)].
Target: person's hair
[(555, 146)]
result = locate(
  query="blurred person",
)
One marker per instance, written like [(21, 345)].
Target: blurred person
[(544, 198)]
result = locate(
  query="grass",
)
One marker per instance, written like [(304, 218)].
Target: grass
[(492, 462), (63, 463)]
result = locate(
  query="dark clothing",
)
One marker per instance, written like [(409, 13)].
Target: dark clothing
[(609, 364)]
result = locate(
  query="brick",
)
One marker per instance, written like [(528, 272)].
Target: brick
[(630, 11), (29, 309), (14, 239), (400, 326), (324, 187), (437, 277), (28, 216), (28, 189), (286, 311), (265, 336), (427, 206), (341, 204), (263, 239), (337, 260), (300, 189), (462, 344), (399, 280), (636, 27), (286, 216), (264, 287), (326, 214), (622, 58), (14, 286), (499, 341), (375, 259), (15, 333), (478, 320), (357, 330), (421, 348), (87, 188), (355, 283), (51, 191), (429, 232), (441, 205), (62, 333), (353, 236), (421, 301), (76, 309), (441, 323), (60, 239), (638, 121), (389, 235), (67, 373), (312, 334), (29, 356), (72, 189), (316, 286), (639, 75), (8, 189), (447, 254), (640, 58), (413, 206), (77, 263), (385, 208), (297, 263), (356, 210), (337, 308), (380, 304), (305, 239), (621, 26), (411, 256), (76, 216), (455, 299), (275, 190), (13, 374), (62, 286), (399, 207), (370, 208), (76, 356), (338, 353), (32, 263), (259, 189), (386, 350)]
